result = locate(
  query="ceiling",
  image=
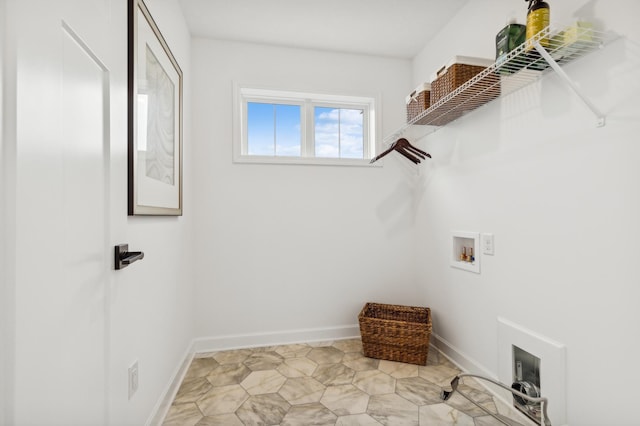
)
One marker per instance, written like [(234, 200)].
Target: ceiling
[(395, 28)]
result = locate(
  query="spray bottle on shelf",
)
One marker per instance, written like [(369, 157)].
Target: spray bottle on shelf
[(537, 20)]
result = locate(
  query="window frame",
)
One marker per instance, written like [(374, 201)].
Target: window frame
[(244, 94)]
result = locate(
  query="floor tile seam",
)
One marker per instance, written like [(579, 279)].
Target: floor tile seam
[(350, 384), (341, 415), (419, 405), (186, 403), (197, 402), (384, 394), (183, 404)]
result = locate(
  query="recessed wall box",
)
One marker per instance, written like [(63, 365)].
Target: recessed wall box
[(465, 251)]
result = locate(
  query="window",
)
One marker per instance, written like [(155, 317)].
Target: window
[(273, 129), (302, 128)]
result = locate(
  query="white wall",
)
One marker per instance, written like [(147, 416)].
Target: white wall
[(4, 305), (152, 318), (149, 306), (284, 248), (561, 197)]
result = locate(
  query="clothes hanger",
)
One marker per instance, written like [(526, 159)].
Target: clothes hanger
[(405, 148)]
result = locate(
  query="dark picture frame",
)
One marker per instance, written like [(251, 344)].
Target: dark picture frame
[(154, 119)]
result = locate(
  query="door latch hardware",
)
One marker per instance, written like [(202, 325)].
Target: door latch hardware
[(123, 257)]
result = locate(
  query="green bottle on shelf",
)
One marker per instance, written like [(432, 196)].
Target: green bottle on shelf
[(509, 38)]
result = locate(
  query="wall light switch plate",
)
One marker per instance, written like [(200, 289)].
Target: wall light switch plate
[(488, 246)]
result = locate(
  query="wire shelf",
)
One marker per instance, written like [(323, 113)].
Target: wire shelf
[(522, 66)]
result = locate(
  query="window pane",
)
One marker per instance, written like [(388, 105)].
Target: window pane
[(273, 129), (338, 132), (327, 132), (351, 135), (260, 129), (288, 138)]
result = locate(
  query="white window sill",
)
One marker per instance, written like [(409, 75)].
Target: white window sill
[(309, 161)]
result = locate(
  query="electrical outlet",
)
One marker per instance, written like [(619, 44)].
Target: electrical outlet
[(133, 379)]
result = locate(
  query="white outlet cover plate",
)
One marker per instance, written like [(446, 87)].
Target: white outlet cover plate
[(487, 244)]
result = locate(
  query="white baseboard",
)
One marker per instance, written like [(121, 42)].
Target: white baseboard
[(164, 403), (237, 341), (218, 343), (460, 359)]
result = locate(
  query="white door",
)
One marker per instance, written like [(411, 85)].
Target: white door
[(62, 203)]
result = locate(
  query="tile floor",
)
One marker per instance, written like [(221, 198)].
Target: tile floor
[(329, 383)]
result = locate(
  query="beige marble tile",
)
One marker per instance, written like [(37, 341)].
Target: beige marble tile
[(232, 357), (357, 420), (510, 412), (326, 383), (183, 415), (439, 374), (393, 410), (334, 374), (297, 367), (492, 421), (320, 344), (293, 351), (228, 374), (200, 367), (443, 360), (461, 403), (260, 382), (443, 415), (205, 354), (433, 356), (374, 382), (268, 360), (359, 362), (418, 390), (264, 349), (349, 345), (325, 355), (222, 400), (314, 414), (302, 390), (268, 409), (398, 370), (473, 383), (192, 390), (220, 420), (345, 399)]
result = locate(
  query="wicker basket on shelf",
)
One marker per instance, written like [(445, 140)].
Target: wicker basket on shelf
[(460, 70), (418, 101), (395, 332)]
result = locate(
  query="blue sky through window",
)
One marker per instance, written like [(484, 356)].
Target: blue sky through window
[(273, 129), (338, 132)]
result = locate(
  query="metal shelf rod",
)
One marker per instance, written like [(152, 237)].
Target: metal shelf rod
[(558, 69)]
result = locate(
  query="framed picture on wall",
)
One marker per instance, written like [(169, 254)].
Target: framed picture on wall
[(154, 119)]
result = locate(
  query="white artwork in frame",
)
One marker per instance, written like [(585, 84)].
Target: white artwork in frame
[(155, 119)]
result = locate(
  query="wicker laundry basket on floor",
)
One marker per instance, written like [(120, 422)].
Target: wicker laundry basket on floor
[(395, 332)]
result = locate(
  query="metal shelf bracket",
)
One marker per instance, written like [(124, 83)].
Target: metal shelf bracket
[(558, 69)]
